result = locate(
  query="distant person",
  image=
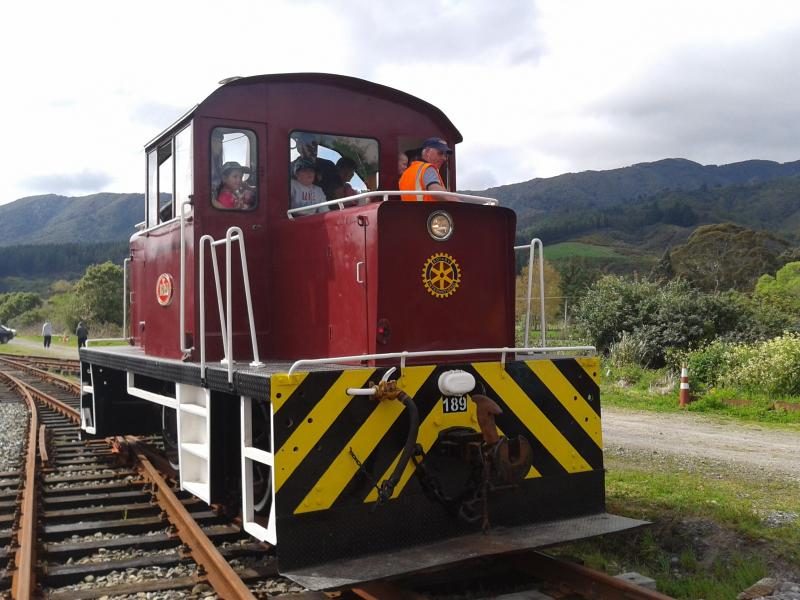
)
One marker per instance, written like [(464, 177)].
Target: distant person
[(402, 163), (423, 175), (47, 333), (82, 333), (347, 168), (303, 191), (232, 192), (326, 176)]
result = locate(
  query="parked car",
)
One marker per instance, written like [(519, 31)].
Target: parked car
[(6, 334)]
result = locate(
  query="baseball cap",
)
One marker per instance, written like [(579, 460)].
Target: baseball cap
[(302, 163), (437, 143), (232, 165)]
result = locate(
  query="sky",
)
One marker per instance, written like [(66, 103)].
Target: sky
[(537, 87)]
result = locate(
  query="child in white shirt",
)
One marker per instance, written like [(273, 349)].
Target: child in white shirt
[(304, 192)]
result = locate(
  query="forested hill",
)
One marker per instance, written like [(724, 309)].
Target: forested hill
[(106, 217), (641, 205), (599, 189), (53, 219)]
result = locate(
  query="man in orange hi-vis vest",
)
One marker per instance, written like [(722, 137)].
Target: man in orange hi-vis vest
[(423, 175)]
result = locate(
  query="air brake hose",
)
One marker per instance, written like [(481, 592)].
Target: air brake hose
[(387, 486)]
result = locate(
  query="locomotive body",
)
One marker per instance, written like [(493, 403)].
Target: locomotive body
[(345, 371)]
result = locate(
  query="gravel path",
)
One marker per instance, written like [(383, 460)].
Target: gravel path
[(754, 447)]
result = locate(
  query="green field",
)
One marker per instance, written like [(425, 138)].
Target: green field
[(578, 249)]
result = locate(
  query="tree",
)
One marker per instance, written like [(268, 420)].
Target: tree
[(783, 290), (14, 304), (99, 294), (64, 311), (552, 293), (727, 256), (659, 316), (577, 273), (663, 270)]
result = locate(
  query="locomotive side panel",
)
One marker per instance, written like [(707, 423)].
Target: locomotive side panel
[(158, 291), (321, 275)]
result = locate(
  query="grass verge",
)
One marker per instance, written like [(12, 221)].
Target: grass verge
[(716, 529), (657, 390)]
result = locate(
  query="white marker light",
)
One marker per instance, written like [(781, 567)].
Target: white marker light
[(456, 383)]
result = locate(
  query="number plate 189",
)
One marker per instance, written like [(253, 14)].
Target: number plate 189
[(454, 404)]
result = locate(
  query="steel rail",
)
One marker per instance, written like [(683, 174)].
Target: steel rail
[(23, 580), (66, 364), (220, 574), (582, 580), (62, 382), (54, 403)]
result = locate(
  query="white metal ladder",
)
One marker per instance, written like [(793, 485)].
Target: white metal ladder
[(234, 234), (251, 457)]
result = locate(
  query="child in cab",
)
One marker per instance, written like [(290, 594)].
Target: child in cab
[(303, 190)]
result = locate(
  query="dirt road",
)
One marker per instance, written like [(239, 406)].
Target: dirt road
[(697, 437)]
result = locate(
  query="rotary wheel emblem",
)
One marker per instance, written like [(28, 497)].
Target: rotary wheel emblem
[(441, 275)]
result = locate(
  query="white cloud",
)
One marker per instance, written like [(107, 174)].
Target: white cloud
[(536, 88)]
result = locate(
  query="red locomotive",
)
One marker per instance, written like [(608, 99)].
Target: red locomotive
[(344, 365)]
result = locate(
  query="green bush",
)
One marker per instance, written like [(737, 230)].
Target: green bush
[(655, 316), (14, 304), (654, 320), (772, 366), (629, 350), (706, 364)]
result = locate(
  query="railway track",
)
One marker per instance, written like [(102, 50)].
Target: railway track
[(63, 366), (96, 519)]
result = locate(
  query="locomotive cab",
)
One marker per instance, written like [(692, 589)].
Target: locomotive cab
[(316, 277), (338, 364)]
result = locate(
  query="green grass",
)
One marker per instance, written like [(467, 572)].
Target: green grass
[(709, 537), (579, 249), (38, 350), (11, 350), (630, 387)]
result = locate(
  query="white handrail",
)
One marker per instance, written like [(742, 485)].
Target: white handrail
[(125, 298), (182, 319), (202, 295), (466, 351), (340, 202), (543, 320), (234, 234)]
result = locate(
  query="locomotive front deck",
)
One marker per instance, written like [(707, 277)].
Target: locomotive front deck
[(328, 450)]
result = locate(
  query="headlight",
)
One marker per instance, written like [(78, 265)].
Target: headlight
[(440, 225)]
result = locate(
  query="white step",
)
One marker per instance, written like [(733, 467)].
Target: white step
[(198, 450)]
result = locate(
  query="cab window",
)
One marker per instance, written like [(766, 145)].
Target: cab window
[(324, 166), (169, 177), (234, 169), (159, 184)]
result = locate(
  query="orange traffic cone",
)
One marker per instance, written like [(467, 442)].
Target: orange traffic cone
[(685, 397)]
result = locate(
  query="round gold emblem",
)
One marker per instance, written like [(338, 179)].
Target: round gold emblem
[(441, 275)]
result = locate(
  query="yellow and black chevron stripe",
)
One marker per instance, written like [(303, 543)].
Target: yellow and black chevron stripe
[(321, 432)]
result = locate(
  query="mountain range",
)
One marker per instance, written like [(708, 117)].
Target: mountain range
[(599, 189), (52, 219), (640, 210)]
